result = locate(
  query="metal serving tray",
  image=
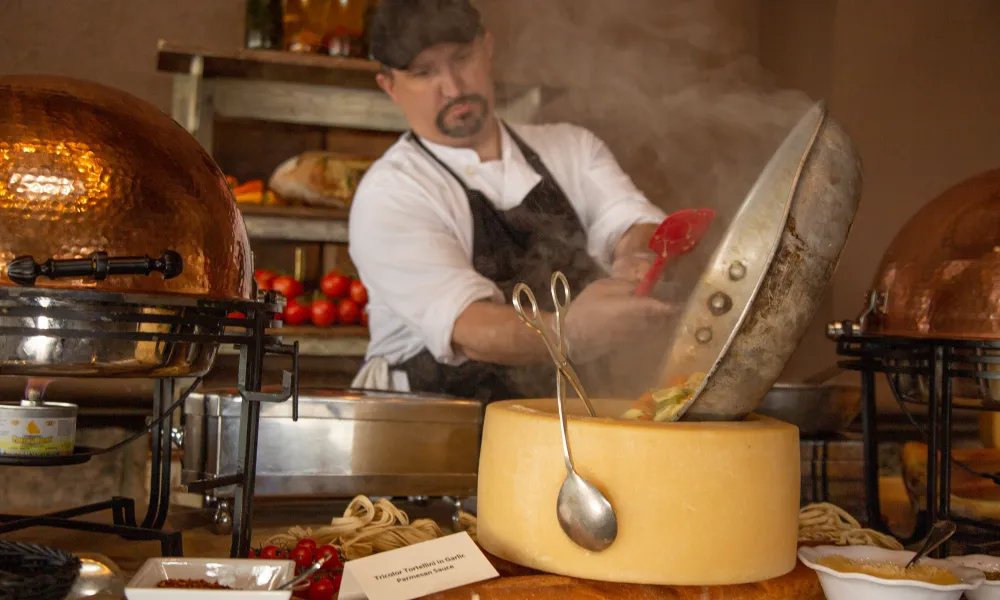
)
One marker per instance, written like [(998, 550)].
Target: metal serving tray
[(346, 442)]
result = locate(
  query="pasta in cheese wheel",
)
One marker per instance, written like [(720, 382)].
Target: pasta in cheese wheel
[(697, 503)]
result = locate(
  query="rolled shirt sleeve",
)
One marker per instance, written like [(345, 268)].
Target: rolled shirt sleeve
[(613, 202), (412, 263)]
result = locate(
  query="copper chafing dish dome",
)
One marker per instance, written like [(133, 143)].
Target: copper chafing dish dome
[(86, 168), (122, 250), (940, 277)]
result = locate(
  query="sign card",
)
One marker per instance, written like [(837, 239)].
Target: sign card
[(418, 570)]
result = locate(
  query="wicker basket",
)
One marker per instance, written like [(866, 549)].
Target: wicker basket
[(36, 572)]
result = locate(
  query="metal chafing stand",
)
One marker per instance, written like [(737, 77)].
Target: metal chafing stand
[(189, 331), (96, 183), (930, 325)]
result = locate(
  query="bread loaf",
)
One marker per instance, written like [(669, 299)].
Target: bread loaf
[(319, 179)]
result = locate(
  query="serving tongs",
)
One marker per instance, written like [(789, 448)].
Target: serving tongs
[(533, 318), (583, 511)]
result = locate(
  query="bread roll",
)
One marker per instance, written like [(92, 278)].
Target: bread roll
[(519, 582), (319, 179)]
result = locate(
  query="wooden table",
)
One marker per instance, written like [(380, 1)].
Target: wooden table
[(201, 541)]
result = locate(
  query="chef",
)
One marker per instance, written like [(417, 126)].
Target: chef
[(464, 206)]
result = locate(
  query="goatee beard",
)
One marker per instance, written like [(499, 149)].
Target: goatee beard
[(468, 125)]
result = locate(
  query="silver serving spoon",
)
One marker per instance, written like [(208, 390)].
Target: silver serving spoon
[(583, 512), (316, 566), (939, 534)]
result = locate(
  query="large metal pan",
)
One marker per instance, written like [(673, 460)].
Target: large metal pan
[(752, 306)]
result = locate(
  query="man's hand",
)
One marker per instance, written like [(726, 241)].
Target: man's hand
[(608, 315), (632, 267), (632, 256)]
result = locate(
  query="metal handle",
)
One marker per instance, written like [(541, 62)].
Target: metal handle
[(940, 533), (533, 318), (23, 270), (289, 382), (316, 566)]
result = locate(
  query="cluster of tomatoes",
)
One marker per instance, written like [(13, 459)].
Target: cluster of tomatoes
[(325, 584), (340, 300)]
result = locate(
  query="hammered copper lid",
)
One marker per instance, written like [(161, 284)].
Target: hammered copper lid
[(87, 168), (940, 277)]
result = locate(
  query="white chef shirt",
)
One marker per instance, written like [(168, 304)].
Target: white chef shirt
[(411, 234)]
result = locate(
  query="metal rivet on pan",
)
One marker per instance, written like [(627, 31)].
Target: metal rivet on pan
[(719, 303), (703, 335), (737, 271)]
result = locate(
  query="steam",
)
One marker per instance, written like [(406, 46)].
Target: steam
[(673, 88)]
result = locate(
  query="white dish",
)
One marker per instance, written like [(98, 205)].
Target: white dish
[(990, 590), (858, 586), (252, 579)]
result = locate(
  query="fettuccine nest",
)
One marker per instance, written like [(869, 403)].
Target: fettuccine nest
[(367, 528), (825, 522)]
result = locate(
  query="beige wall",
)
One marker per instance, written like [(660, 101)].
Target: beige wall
[(111, 41)]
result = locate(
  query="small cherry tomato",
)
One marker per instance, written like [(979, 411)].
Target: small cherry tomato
[(331, 555), (324, 313), (359, 293), (287, 286), (295, 313), (334, 285), (264, 277), (306, 543), (271, 552), (321, 589), (302, 556), (348, 312), (251, 554)]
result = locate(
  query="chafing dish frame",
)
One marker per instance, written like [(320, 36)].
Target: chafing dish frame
[(940, 362), (187, 321)]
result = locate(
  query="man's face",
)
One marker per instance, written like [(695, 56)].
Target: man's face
[(447, 92)]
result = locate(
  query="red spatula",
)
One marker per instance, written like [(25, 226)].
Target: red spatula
[(678, 234)]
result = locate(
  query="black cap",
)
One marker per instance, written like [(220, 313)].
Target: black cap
[(402, 29)]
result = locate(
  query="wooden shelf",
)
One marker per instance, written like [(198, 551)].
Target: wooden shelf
[(334, 331), (351, 341), (292, 212), (269, 65), (288, 87), (295, 223)]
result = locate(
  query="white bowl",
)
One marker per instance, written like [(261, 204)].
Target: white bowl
[(858, 586), (990, 590), (251, 578)]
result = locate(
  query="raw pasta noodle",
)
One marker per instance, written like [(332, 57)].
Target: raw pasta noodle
[(467, 523), (367, 528), (825, 522)]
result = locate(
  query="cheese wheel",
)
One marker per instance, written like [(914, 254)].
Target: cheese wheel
[(697, 503)]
